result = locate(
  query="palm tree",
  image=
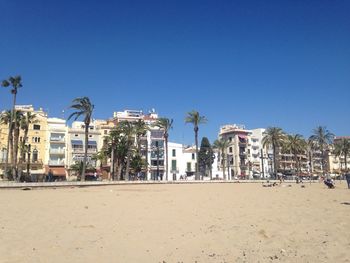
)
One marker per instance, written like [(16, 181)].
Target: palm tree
[(117, 150), (15, 83), (342, 148), (83, 107), (28, 118), (165, 124), (18, 117), (274, 137), (140, 130), (322, 138), (221, 145), (127, 129), (5, 118), (194, 118), (296, 145)]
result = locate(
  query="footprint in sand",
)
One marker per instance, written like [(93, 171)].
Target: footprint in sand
[(262, 232)]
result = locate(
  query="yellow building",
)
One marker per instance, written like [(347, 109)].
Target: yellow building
[(36, 139)]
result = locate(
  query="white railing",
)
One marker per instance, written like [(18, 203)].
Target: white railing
[(56, 162), (56, 151)]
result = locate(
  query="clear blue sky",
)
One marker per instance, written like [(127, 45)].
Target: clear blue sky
[(259, 63)]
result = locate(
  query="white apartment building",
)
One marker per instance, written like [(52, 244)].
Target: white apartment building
[(56, 149), (76, 141), (182, 163), (258, 155)]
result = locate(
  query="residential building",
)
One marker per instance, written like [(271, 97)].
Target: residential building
[(56, 150), (238, 150), (76, 143), (258, 156), (36, 141)]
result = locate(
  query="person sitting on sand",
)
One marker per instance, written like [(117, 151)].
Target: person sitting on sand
[(330, 183)]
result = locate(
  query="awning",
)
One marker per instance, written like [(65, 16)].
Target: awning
[(243, 137), (92, 143), (57, 171), (77, 142)]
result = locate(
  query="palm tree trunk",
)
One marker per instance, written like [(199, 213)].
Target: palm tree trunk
[(127, 166), (15, 149), (223, 165), (166, 158), (346, 163), (274, 160), (196, 141), (85, 151), (10, 134), (9, 148)]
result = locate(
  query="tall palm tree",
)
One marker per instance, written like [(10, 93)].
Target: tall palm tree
[(18, 117), (165, 124), (221, 145), (5, 118), (117, 150), (28, 118), (83, 107), (322, 137), (296, 145), (127, 129), (195, 118), (342, 148), (140, 130), (274, 137), (15, 83)]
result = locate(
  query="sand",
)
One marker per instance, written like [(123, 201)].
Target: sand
[(176, 223)]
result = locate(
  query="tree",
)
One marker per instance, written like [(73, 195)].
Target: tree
[(127, 129), (15, 83), (205, 157), (28, 118), (342, 148), (296, 145), (18, 117), (195, 118), (84, 108), (274, 137), (322, 138), (141, 129), (165, 124), (117, 150), (221, 145), (5, 118)]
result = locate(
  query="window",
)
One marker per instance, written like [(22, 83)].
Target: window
[(230, 139), (193, 156), (90, 136), (36, 127), (76, 135), (174, 153), (230, 149), (35, 139), (173, 165), (35, 156), (105, 132), (189, 167)]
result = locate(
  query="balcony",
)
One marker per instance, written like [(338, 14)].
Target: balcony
[(57, 151), (57, 139), (56, 162)]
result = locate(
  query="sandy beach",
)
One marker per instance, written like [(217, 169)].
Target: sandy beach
[(176, 223)]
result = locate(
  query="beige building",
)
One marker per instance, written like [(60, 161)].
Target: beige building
[(36, 141), (237, 161)]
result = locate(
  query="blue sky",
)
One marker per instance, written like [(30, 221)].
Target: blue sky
[(258, 63)]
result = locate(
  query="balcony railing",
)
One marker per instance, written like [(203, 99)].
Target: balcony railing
[(58, 163), (57, 151), (57, 139)]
